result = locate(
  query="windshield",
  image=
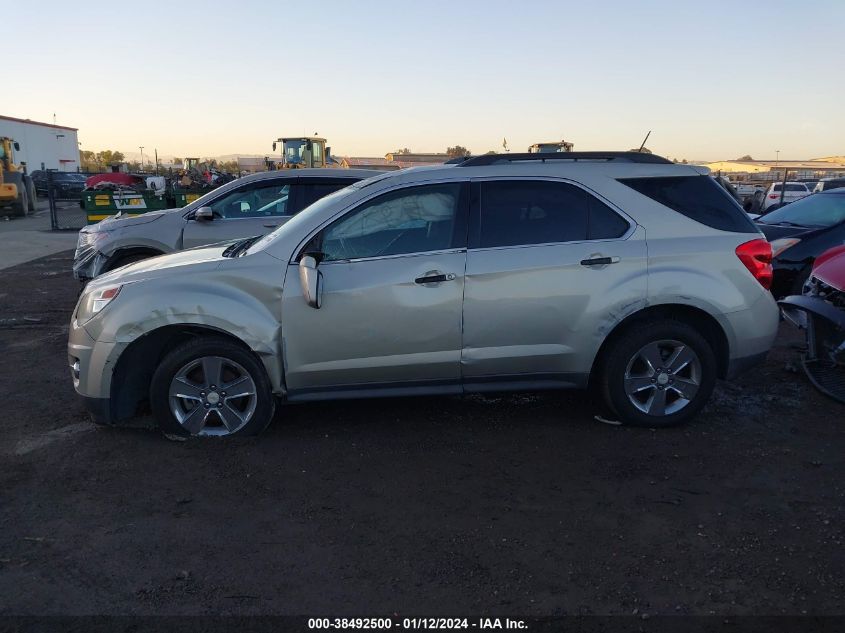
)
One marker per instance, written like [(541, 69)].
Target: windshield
[(303, 216), (817, 210), (293, 149)]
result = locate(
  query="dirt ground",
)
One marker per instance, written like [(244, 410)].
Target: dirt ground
[(520, 504)]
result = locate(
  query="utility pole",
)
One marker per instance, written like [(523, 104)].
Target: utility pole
[(156, 151)]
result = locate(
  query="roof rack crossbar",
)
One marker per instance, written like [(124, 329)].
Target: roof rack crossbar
[(626, 157)]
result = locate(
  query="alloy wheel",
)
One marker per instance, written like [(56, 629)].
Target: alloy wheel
[(663, 377), (212, 395)]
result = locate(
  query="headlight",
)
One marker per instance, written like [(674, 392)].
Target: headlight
[(779, 246), (86, 243), (92, 303), (88, 238)]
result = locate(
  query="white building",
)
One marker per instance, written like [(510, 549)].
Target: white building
[(43, 145)]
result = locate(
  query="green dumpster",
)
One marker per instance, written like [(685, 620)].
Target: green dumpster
[(102, 204)]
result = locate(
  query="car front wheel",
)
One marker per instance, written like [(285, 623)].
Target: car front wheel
[(211, 387), (658, 375)]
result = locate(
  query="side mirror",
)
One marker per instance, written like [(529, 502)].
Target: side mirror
[(204, 214), (274, 146), (17, 146), (309, 278)]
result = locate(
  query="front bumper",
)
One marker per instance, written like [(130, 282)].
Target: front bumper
[(91, 366), (88, 263), (824, 323)]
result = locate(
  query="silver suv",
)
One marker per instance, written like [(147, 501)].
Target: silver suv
[(620, 271), (252, 205)]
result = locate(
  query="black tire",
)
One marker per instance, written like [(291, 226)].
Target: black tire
[(626, 349), (33, 198), (198, 348), (20, 207)]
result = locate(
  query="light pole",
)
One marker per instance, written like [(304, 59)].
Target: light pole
[(777, 157), (141, 147)]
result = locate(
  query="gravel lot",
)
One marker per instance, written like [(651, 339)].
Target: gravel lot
[(520, 504)]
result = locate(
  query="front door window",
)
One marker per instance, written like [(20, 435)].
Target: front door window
[(412, 220), (253, 202)]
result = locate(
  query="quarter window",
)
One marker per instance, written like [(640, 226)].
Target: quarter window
[(412, 220), (698, 198)]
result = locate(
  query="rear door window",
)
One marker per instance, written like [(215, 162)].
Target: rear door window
[(253, 201), (604, 222), (521, 212), (310, 192), (699, 198)]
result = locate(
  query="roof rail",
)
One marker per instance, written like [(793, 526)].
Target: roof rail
[(622, 157)]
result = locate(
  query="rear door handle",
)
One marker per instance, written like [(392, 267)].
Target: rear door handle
[(599, 261), (434, 278)]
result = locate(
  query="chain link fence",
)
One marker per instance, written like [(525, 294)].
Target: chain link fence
[(64, 192)]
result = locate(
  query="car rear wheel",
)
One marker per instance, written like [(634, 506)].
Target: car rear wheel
[(659, 374), (211, 387)]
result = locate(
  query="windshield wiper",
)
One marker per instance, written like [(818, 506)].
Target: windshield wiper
[(237, 249)]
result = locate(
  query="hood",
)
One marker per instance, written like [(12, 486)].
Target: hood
[(208, 256), (830, 267), (122, 220)]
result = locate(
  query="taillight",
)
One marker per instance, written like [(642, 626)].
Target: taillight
[(774, 196), (757, 257)]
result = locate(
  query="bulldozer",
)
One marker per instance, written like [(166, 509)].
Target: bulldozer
[(17, 191), (304, 151)]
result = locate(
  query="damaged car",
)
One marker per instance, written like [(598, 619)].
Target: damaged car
[(800, 232), (252, 205), (820, 311), (619, 271)]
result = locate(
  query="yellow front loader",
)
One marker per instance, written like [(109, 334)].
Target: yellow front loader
[(303, 152), (17, 192)]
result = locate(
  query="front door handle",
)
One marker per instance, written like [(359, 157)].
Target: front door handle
[(271, 226), (599, 261), (434, 277)]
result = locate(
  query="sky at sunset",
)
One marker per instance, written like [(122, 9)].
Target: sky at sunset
[(712, 80)]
